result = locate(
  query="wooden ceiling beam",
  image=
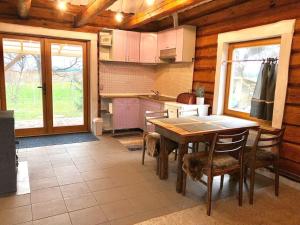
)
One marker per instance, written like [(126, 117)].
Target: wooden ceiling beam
[(92, 10), (23, 7), (156, 12), (199, 11)]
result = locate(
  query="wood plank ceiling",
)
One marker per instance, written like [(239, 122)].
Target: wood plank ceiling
[(44, 13), (94, 16)]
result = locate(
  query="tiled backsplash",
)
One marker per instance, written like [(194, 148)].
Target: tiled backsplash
[(173, 79), (126, 78)]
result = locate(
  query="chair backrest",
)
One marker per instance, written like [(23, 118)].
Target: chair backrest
[(186, 98), (233, 144), (268, 139), (187, 112), (154, 115)]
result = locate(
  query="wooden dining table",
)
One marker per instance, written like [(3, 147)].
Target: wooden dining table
[(192, 129)]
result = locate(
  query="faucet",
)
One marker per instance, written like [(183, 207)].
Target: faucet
[(155, 92)]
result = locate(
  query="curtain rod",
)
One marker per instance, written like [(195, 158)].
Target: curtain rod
[(251, 60)]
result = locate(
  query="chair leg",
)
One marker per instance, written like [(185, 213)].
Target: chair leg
[(176, 153), (157, 165), (184, 177), (245, 174), (252, 179), (144, 150), (196, 147), (276, 170), (222, 181), (206, 147), (241, 182), (209, 193)]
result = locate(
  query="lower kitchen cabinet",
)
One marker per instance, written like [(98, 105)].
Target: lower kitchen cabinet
[(126, 113), (148, 105), (129, 113)]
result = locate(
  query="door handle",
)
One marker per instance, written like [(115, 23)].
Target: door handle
[(44, 88)]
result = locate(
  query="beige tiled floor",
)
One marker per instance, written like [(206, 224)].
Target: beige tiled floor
[(99, 183), (267, 210)]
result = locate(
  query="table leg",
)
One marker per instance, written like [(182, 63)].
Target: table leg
[(182, 150), (163, 158)]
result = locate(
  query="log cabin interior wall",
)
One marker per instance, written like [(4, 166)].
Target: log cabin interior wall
[(245, 15), (211, 18)]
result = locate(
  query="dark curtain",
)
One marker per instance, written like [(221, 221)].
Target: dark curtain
[(262, 102)]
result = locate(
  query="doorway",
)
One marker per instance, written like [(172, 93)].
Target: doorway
[(45, 82)]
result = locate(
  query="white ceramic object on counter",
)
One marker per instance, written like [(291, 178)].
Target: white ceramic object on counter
[(200, 100)]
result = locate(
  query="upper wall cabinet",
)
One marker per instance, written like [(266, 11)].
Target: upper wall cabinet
[(126, 46), (174, 45), (177, 45), (167, 39), (148, 48), (133, 46), (119, 47), (185, 44)]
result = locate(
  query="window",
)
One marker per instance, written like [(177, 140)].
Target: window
[(242, 73)]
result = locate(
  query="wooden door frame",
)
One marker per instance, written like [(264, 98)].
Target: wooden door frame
[(46, 75), (2, 77), (49, 100), (25, 131)]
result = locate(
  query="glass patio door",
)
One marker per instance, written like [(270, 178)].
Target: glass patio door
[(22, 85), (45, 82), (69, 85)]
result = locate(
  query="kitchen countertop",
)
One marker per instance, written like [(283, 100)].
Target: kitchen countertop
[(160, 99)]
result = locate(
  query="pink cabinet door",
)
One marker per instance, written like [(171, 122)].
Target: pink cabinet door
[(142, 113), (148, 48), (179, 45), (119, 107), (126, 113), (167, 39), (119, 45), (132, 118), (133, 46)]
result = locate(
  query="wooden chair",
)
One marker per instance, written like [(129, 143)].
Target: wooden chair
[(225, 156), (264, 153), (147, 129)]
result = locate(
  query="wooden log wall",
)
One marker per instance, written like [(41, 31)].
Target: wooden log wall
[(245, 15)]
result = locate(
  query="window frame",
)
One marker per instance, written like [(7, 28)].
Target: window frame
[(231, 48)]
